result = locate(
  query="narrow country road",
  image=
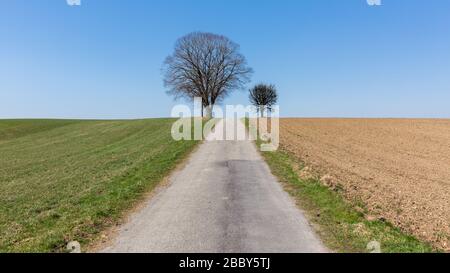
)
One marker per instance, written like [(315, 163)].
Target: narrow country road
[(225, 200)]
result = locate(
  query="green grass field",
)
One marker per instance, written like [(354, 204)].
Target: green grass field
[(64, 180)]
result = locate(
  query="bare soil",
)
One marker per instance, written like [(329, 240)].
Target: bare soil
[(398, 169)]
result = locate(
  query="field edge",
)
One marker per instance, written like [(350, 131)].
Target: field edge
[(342, 227), (107, 233)]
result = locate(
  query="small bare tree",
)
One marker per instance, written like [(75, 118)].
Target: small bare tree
[(263, 97), (205, 65)]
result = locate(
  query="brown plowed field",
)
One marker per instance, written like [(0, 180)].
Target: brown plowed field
[(399, 168)]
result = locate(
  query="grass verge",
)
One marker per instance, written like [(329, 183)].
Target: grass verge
[(341, 226), (69, 180)]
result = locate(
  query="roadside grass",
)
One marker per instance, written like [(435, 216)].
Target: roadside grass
[(342, 227), (68, 180)]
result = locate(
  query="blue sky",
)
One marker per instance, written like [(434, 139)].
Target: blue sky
[(328, 58)]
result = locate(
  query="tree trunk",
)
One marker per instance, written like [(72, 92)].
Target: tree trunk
[(261, 110), (208, 111)]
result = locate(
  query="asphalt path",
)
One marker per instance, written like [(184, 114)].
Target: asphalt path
[(224, 200)]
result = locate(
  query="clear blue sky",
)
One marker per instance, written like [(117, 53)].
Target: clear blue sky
[(332, 58)]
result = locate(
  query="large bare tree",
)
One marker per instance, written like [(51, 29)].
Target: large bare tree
[(205, 65)]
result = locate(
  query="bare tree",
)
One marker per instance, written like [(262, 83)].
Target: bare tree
[(205, 65), (263, 97)]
